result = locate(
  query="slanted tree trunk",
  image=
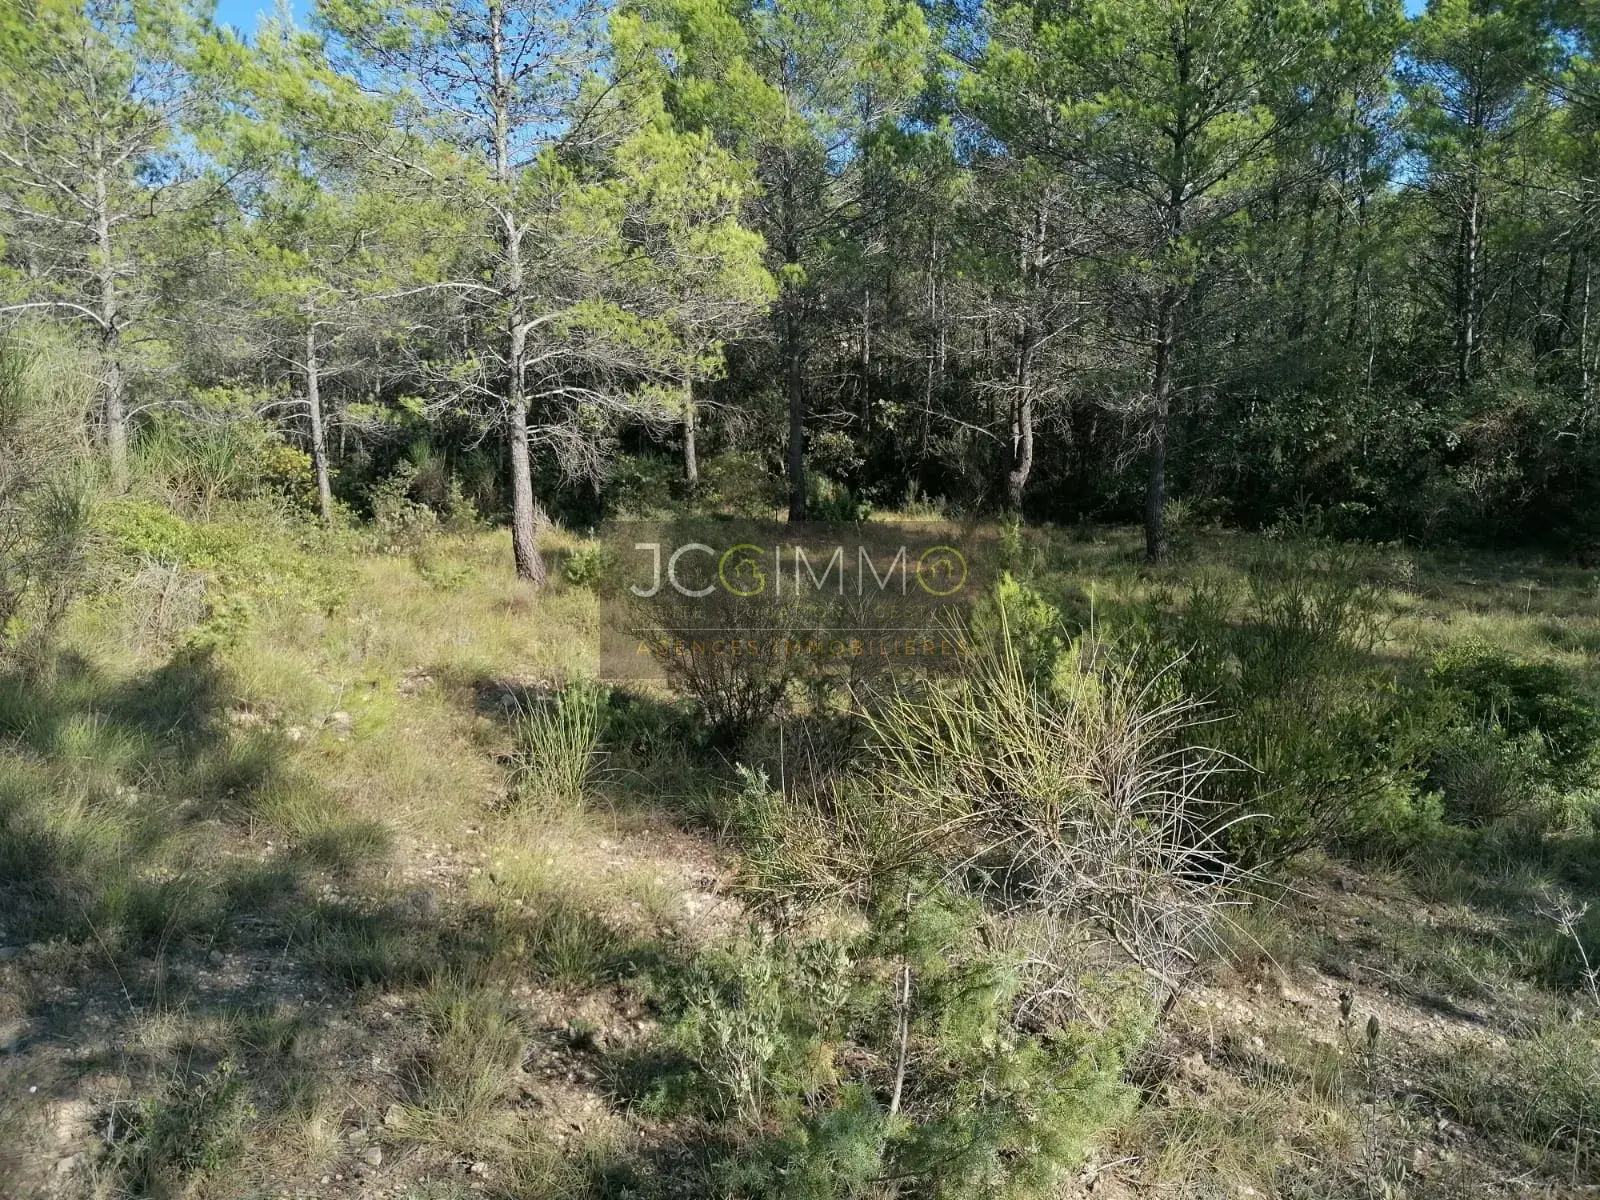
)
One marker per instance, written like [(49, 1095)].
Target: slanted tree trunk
[(319, 440), (691, 461), (1020, 456)]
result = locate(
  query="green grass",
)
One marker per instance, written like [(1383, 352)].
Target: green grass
[(280, 857)]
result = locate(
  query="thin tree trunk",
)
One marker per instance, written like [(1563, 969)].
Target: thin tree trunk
[(1021, 443), (691, 461), (526, 517), (1166, 332), (1467, 300), (1584, 366), (935, 358), (319, 443), (1302, 284), (866, 362), (114, 389), (1155, 531), (795, 383), (113, 381), (524, 512), (1568, 290)]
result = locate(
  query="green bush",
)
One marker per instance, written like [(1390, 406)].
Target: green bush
[(219, 450), (1485, 776), (1015, 613), (400, 521), (741, 483), (643, 485), (245, 558), (833, 502), (1541, 701), (198, 1126), (738, 680), (895, 1053), (1332, 746), (588, 564)]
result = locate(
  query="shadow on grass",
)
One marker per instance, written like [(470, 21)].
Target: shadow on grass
[(181, 903)]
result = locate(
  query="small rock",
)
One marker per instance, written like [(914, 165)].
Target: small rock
[(373, 1156), (479, 1168), (394, 1116), (73, 1118), (215, 958), (65, 1166)]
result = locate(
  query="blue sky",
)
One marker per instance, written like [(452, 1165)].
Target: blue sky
[(242, 14)]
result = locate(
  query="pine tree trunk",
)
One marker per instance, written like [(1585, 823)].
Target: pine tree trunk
[(319, 440), (1467, 302), (1020, 464), (691, 460), (1155, 531), (526, 518), (524, 512), (795, 383), (113, 381)]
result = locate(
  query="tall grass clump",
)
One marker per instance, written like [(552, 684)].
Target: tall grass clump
[(1079, 800), (557, 746)]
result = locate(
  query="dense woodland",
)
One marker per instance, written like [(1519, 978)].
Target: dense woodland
[(1244, 355), (1089, 261)]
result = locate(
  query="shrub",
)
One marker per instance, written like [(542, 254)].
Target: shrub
[(1081, 800), (245, 560), (1485, 776), (895, 1052), (218, 449), (834, 503), (740, 482), (1524, 700), (1014, 613), (196, 1127), (587, 565), (727, 653), (400, 521), (1333, 747), (643, 485), (44, 498)]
